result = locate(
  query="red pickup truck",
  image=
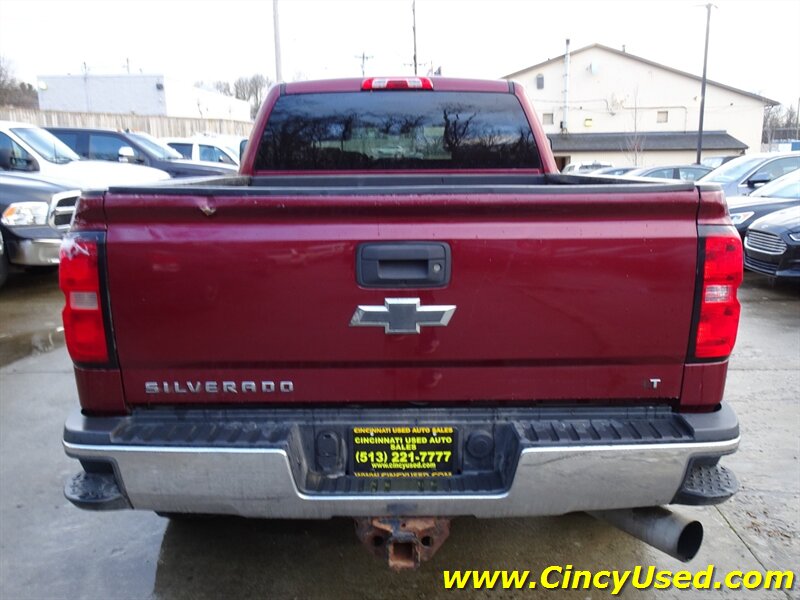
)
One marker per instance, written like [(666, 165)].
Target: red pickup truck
[(400, 311)]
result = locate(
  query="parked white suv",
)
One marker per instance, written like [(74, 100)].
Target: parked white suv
[(25, 147), (204, 148)]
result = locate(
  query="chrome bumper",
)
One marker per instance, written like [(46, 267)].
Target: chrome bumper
[(255, 482), (34, 253)]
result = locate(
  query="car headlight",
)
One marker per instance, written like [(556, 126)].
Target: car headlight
[(795, 235), (25, 213), (740, 217)]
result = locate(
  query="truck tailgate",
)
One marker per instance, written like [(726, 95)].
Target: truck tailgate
[(247, 298)]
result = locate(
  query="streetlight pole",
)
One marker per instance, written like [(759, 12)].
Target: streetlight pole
[(703, 87)]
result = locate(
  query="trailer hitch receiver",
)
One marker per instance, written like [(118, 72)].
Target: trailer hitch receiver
[(403, 542)]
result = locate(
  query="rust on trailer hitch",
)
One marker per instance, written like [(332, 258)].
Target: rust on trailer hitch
[(403, 542)]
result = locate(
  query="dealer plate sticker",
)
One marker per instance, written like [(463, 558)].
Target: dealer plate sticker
[(404, 451)]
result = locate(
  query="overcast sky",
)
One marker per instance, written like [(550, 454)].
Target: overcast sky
[(754, 45)]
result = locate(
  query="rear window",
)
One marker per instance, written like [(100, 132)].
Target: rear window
[(397, 130)]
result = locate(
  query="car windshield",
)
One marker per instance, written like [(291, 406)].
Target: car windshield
[(732, 170), (785, 187), (46, 145), (154, 146)]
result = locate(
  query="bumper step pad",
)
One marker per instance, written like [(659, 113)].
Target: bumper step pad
[(95, 491), (707, 484), (507, 461)]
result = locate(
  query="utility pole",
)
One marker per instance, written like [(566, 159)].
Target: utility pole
[(364, 58), (86, 91), (703, 88), (414, 28), (276, 27), (564, 124)]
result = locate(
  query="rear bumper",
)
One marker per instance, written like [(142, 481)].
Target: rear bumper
[(264, 463)]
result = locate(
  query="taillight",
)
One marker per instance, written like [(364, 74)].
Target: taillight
[(396, 83), (79, 278), (719, 308)]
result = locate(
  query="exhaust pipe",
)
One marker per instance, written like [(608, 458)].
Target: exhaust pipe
[(673, 534)]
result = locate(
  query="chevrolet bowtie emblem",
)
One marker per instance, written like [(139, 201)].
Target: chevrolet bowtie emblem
[(402, 315)]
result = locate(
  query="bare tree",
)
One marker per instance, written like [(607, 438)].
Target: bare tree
[(634, 146), (780, 123), (251, 89), (634, 141), (223, 87), (456, 127), (6, 79), (13, 92)]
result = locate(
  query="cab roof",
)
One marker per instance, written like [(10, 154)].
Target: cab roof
[(441, 84)]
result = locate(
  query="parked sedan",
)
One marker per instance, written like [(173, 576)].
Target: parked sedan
[(684, 172), (776, 195), (742, 176), (772, 245), (137, 148), (35, 214)]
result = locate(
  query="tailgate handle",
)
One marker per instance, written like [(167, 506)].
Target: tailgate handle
[(403, 264)]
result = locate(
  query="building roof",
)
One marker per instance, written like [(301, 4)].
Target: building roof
[(766, 101), (643, 140)]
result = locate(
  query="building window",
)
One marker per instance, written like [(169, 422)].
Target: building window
[(540, 82), (547, 119), (662, 116)]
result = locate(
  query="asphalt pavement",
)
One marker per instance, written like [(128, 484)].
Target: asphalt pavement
[(49, 549)]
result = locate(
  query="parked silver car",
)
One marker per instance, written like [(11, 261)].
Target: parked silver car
[(682, 172), (740, 176)]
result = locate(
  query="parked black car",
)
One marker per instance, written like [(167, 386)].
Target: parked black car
[(776, 195), (136, 148), (35, 215), (772, 245)]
